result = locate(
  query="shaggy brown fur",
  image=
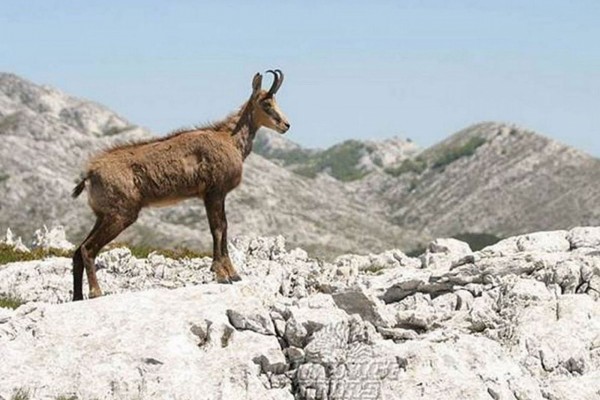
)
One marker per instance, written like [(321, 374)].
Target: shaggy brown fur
[(204, 162)]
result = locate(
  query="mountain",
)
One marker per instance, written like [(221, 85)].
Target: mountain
[(496, 179), (487, 181), (47, 136)]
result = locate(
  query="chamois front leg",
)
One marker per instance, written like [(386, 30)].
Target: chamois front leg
[(215, 211)]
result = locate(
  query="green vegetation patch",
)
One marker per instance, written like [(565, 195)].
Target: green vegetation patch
[(117, 130), (9, 254), (415, 165), (289, 157), (10, 301), (454, 153), (375, 269), (339, 161), (177, 253), (20, 394), (9, 121), (4, 177)]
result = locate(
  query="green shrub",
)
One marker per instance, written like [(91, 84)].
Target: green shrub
[(454, 153), (416, 165), (9, 254), (340, 161)]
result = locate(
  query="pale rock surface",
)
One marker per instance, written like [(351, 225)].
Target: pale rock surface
[(518, 320), (442, 254), (54, 238)]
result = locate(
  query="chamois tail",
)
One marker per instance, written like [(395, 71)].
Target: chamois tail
[(79, 188)]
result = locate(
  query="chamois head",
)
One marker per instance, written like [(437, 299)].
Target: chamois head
[(265, 111)]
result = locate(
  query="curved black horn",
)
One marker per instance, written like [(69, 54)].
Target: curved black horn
[(277, 81)]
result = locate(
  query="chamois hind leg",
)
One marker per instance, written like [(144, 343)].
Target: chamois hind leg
[(215, 211), (109, 228), (78, 265), (227, 264)]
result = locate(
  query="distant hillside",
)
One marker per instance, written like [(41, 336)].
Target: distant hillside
[(348, 161), (47, 137), (487, 181), (495, 179)]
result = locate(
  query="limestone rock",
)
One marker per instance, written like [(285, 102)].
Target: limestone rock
[(55, 238), (252, 320), (516, 320), (585, 236)]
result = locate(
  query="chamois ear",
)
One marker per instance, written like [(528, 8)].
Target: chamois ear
[(256, 83)]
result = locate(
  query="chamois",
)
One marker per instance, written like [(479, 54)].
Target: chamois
[(204, 162)]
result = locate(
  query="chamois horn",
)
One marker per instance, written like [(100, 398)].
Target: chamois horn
[(277, 81)]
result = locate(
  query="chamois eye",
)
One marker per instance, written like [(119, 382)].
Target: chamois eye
[(267, 105)]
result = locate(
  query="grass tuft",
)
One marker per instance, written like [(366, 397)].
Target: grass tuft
[(177, 253), (20, 394), (10, 301), (9, 254), (375, 269)]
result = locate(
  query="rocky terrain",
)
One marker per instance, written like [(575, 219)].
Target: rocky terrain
[(47, 137), (516, 320)]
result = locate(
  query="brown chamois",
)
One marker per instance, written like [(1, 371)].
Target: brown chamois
[(204, 162)]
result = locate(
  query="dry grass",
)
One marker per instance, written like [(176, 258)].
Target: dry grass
[(9, 254)]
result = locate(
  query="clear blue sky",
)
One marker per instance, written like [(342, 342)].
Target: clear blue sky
[(370, 70)]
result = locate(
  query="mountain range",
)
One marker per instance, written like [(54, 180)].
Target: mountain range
[(487, 181)]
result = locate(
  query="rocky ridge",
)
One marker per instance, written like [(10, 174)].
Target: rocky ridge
[(516, 320), (496, 178)]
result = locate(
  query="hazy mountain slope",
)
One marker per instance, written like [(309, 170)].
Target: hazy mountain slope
[(496, 178), (490, 178), (348, 161), (47, 136)]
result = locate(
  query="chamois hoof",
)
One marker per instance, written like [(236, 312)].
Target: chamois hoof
[(77, 297), (235, 278), (224, 280), (95, 293)]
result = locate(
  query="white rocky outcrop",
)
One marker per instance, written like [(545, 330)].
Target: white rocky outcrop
[(517, 320), (14, 241), (54, 238)]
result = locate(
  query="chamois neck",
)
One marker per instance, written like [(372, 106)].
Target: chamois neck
[(242, 129)]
